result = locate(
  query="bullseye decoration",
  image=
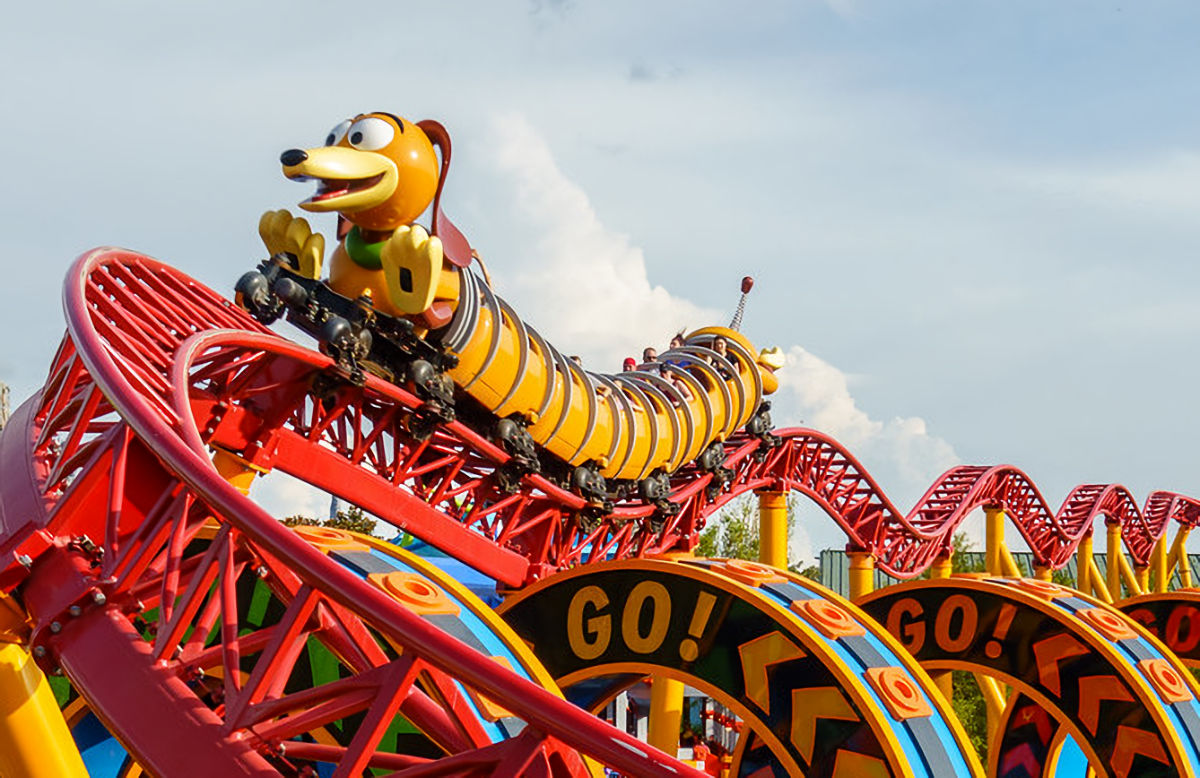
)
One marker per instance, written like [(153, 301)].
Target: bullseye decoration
[(1166, 680), (327, 539), (831, 619), (1120, 695), (188, 619), (901, 696), (822, 690), (414, 592)]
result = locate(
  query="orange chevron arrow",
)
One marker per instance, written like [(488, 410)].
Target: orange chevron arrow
[(808, 705), (759, 654), (1130, 742), (1049, 653), (1092, 690), (852, 765)]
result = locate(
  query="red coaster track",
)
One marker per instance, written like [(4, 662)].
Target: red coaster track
[(102, 454), (107, 481), (248, 391)]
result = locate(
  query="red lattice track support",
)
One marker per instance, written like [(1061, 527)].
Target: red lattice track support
[(251, 392), (129, 553), (906, 544), (111, 509)]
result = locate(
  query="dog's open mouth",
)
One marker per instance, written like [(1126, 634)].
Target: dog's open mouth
[(328, 188)]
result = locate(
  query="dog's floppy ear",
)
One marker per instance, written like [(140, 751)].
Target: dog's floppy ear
[(455, 246)]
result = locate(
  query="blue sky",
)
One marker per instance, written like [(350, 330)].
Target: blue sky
[(974, 225)]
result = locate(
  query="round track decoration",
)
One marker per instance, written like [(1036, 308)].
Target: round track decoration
[(822, 690), (1127, 702)]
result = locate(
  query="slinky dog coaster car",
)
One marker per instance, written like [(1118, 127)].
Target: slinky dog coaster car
[(405, 304)]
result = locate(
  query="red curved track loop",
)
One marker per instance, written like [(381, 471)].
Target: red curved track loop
[(113, 516), (906, 544)]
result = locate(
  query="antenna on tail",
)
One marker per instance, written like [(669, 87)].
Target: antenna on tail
[(747, 285)]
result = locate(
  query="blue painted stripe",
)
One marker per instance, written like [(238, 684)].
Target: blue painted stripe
[(912, 745), (476, 626), (103, 755), (1072, 762)]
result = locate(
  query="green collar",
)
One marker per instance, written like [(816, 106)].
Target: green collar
[(364, 254)]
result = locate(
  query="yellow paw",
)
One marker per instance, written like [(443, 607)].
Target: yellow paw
[(772, 358), (412, 265), (283, 233)]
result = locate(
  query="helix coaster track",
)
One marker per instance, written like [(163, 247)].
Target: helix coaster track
[(133, 559)]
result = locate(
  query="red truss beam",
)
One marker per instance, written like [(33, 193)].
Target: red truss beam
[(249, 391), (126, 515), (111, 509)]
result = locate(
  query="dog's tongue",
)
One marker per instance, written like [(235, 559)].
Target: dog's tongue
[(327, 189)]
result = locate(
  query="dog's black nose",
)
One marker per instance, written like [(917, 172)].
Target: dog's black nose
[(293, 157)]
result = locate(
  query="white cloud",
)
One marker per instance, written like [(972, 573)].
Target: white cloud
[(582, 285), (586, 288), (901, 453), (282, 495), (800, 545)]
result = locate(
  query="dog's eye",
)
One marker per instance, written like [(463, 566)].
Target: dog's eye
[(371, 134), (337, 133)]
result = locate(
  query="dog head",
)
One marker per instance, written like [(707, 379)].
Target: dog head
[(378, 170)]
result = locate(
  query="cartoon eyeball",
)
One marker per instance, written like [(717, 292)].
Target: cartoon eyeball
[(337, 133), (370, 133)]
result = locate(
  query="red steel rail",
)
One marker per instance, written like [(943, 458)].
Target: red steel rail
[(104, 497), (107, 482)]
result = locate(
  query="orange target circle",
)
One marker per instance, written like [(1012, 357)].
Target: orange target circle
[(829, 618), (327, 539), (415, 592), (900, 695), (1044, 589), (750, 573), (1111, 625), (1165, 680)]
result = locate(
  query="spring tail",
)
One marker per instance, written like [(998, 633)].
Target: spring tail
[(747, 285)]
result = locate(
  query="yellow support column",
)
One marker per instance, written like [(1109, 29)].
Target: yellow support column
[(943, 567), (1137, 579), (1114, 560), (1159, 562), (994, 701), (772, 529), (862, 573), (1043, 573), (34, 739), (1009, 564), (994, 540), (1143, 576), (1083, 570), (666, 713), (1179, 557), (666, 710)]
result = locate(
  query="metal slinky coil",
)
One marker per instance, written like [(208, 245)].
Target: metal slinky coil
[(630, 424)]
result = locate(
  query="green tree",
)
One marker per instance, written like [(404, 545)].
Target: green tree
[(959, 561), (811, 572), (733, 533), (968, 701), (971, 710), (352, 519)]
